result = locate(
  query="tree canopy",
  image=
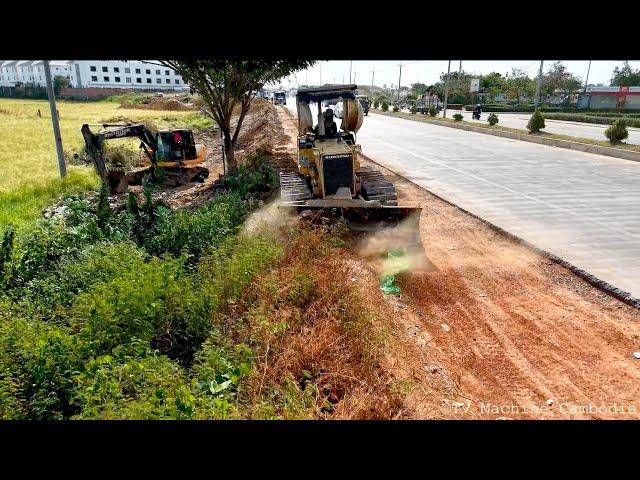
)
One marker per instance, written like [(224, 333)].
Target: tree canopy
[(625, 76), (226, 84)]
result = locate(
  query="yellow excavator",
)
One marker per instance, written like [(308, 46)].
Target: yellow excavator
[(329, 175)]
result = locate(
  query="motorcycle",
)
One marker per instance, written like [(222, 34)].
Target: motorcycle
[(475, 115)]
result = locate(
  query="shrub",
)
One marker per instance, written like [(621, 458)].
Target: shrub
[(536, 122), (385, 106), (432, 111), (492, 119), (598, 118), (375, 104), (396, 108), (617, 131), (414, 109), (191, 232), (458, 117)]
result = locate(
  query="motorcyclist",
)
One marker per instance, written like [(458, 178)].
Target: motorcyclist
[(477, 110)]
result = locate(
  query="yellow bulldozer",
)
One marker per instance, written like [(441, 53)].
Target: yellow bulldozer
[(329, 175)]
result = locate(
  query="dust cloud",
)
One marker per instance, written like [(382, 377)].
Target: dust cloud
[(269, 218), (400, 248)]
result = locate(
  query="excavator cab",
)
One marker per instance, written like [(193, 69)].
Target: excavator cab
[(175, 146)]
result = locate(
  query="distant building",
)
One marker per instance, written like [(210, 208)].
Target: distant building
[(126, 74), (612, 98), (15, 73)]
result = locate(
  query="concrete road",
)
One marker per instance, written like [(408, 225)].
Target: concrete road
[(574, 129), (579, 206)]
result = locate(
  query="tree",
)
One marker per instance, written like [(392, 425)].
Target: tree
[(419, 89), (226, 84), (458, 86), (559, 78), (518, 85), (625, 76), (59, 82), (492, 84)]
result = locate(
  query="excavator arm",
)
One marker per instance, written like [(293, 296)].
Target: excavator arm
[(94, 142)]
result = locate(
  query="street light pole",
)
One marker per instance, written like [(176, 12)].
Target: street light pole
[(537, 99), (587, 80), (446, 90), (350, 65), (54, 119), (399, 78)]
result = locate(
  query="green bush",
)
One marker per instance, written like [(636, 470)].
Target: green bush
[(190, 232), (385, 106), (396, 108), (601, 119), (536, 122), (457, 117), (492, 119), (375, 104), (432, 111), (617, 131), (414, 109)]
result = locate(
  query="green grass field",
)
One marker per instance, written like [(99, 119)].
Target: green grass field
[(28, 161)]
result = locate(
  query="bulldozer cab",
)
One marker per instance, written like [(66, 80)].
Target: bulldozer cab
[(327, 154)]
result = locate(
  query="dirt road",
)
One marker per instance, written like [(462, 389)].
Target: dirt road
[(496, 330)]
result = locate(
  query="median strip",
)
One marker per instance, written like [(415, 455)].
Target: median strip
[(583, 145)]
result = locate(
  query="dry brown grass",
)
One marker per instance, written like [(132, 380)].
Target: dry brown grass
[(320, 354)]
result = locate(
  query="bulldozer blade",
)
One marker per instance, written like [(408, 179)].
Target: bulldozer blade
[(368, 218)]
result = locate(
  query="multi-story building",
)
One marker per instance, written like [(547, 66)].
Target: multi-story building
[(22, 72), (128, 74)]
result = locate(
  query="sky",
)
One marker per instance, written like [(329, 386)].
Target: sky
[(429, 71)]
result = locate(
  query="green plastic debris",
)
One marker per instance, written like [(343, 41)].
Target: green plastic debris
[(396, 262), (388, 284)]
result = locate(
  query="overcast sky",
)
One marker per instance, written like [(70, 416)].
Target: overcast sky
[(428, 71)]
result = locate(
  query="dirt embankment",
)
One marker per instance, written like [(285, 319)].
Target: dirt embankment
[(494, 330)]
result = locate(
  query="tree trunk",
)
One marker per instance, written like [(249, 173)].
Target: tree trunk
[(230, 158)]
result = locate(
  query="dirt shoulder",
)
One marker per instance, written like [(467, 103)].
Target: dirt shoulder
[(495, 330)]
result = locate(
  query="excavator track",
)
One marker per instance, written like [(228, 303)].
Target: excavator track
[(376, 187)]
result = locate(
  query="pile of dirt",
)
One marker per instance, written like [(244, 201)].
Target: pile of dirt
[(160, 103)]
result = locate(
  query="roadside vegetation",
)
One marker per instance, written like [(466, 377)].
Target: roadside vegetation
[(144, 312)]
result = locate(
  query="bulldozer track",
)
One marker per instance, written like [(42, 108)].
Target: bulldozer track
[(294, 189), (376, 187)]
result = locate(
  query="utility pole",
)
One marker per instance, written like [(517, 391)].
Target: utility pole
[(537, 99), (587, 80), (446, 91), (354, 76), (372, 74), (54, 119), (350, 65), (399, 78), (320, 72)]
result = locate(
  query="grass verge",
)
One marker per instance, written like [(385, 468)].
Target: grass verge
[(425, 119)]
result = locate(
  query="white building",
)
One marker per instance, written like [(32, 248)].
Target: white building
[(128, 74)]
